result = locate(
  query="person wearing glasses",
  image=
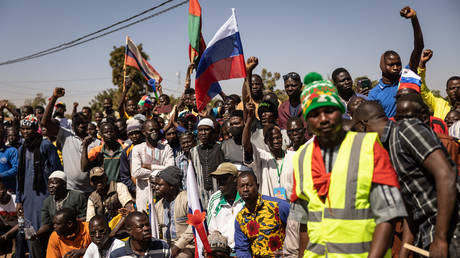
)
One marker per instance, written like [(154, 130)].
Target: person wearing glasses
[(102, 244)]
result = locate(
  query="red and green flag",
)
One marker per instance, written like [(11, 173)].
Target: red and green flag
[(197, 45)]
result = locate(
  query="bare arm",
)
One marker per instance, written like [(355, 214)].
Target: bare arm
[(250, 111), (121, 102), (409, 13), (53, 128), (303, 239), (407, 237), (84, 161), (445, 177), (74, 109), (187, 76), (381, 240), (251, 63)]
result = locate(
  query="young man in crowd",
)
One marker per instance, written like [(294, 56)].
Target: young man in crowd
[(108, 109), (390, 64), (427, 177), (224, 204), (149, 158), (140, 242), (38, 158), (205, 158), (233, 147), (290, 107), (12, 137), (333, 196), (260, 225), (134, 129), (102, 244), (108, 197), (59, 114), (8, 163), (171, 209), (106, 155), (344, 83), (253, 86), (187, 142), (71, 144), (60, 197), (70, 237)]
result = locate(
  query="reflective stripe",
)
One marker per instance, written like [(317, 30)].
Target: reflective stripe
[(302, 154), (316, 248), (349, 214), (349, 248), (315, 216), (352, 171)]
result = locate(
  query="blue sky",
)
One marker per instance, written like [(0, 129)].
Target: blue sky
[(295, 35)]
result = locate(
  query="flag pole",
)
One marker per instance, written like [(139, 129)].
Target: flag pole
[(124, 64)]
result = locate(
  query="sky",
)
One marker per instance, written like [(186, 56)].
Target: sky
[(295, 35)]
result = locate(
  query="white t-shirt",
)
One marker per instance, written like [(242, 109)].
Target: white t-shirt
[(93, 251)]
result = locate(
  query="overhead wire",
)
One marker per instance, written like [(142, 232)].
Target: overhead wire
[(78, 41)]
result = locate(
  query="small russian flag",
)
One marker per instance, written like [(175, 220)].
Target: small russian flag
[(410, 80)]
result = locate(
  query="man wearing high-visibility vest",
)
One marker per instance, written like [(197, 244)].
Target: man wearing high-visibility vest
[(345, 191)]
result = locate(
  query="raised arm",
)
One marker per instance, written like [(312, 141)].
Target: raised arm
[(4, 104), (187, 76), (74, 109), (84, 160), (251, 63), (53, 128), (121, 102), (410, 13), (250, 114)]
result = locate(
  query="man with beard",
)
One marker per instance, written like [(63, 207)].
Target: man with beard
[(59, 198), (149, 157), (233, 147), (291, 107), (106, 155), (140, 242), (171, 209), (390, 64), (37, 159), (71, 144), (102, 244), (135, 135), (260, 225), (205, 158)]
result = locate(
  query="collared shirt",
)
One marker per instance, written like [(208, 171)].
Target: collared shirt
[(220, 214), (261, 233), (181, 162), (157, 249), (385, 95), (410, 143), (94, 252)]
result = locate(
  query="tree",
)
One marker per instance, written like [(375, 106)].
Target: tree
[(39, 100), (269, 79), (117, 59), (98, 100)]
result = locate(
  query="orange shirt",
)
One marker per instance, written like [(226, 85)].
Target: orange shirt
[(58, 246)]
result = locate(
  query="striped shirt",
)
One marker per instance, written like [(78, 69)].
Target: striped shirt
[(157, 249)]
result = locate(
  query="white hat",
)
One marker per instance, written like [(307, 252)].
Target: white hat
[(206, 121), (58, 174)]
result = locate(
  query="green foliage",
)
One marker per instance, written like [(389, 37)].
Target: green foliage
[(269, 79), (137, 90), (38, 100), (97, 101)]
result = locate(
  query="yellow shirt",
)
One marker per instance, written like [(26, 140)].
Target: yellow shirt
[(439, 105)]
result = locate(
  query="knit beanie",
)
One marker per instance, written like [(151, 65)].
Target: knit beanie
[(320, 94), (312, 77)]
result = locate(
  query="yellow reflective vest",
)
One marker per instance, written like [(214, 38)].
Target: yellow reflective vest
[(343, 225)]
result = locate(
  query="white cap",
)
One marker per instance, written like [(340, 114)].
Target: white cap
[(206, 121), (58, 174)]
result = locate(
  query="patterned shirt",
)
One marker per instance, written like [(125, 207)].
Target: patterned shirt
[(261, 233), (157, 249), (410, 142)]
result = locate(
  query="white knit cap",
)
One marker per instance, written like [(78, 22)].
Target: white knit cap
[(206, 121), (58, 174)]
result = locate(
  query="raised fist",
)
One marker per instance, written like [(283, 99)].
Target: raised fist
[(426, 56), (251, 63), (407, 12), (58, 92)]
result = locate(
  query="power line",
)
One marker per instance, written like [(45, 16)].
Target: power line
[(78, 41)]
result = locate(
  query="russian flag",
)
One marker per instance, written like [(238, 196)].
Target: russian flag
[(222, 60), (410, 80)]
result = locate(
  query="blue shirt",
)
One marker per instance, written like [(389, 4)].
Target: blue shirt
[(385, 95), (8, 166)]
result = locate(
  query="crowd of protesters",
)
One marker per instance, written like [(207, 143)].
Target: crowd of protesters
[(333, 171)]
